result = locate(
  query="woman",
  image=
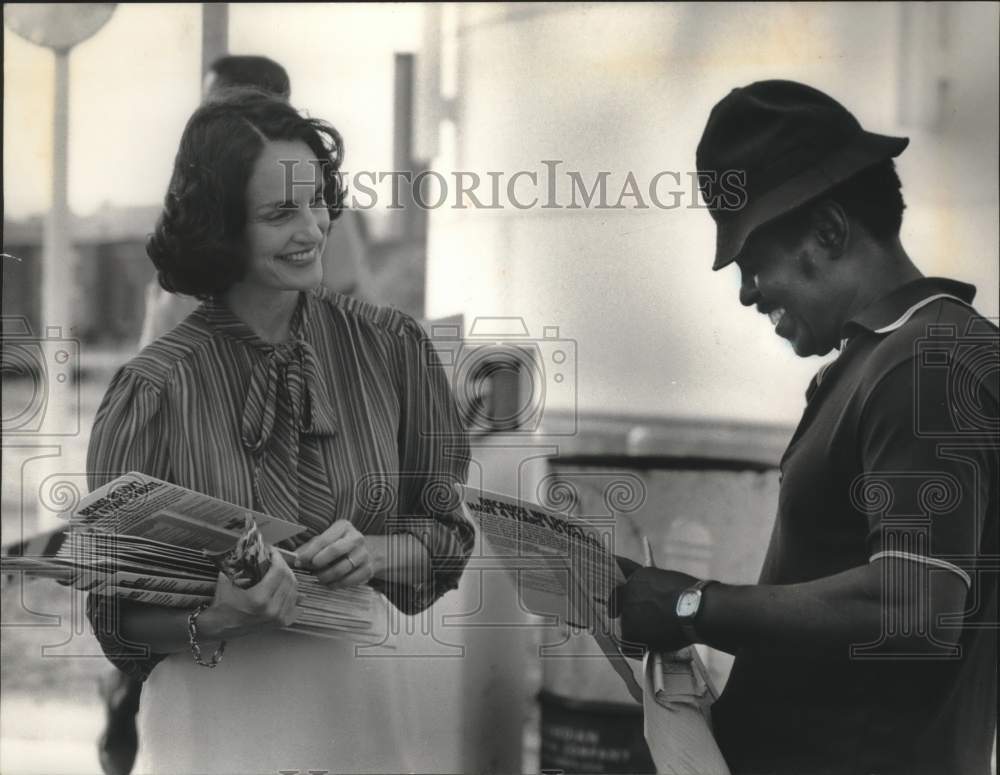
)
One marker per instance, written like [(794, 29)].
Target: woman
[(344, 258), (296, 402)]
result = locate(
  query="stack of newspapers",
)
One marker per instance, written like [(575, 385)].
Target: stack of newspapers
[(149, 541)]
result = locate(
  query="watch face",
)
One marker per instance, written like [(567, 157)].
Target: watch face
[(687, 604)]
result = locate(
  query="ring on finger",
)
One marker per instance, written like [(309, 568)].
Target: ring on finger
[(353, 564)]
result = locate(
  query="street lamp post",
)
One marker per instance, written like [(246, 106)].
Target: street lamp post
[(58, 26)]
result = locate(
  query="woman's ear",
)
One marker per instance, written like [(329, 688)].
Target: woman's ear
[(830, 227)]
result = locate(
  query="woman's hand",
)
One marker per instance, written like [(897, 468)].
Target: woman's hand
[(340, 556), (268, 604)]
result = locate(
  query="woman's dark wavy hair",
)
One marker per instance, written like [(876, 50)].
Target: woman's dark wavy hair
[(195, 246)]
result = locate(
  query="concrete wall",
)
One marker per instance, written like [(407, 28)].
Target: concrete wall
[(624, 88)]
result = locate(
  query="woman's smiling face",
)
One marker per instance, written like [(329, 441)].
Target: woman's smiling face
[(287, 219)]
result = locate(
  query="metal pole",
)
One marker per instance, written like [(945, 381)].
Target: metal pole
[(58, 259), (402, 143), (214, 33)]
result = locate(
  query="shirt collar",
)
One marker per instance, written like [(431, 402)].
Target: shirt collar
[(225, 322), (894, 309)]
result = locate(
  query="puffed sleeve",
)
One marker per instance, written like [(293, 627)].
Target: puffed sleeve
[(126, 436), (433, 457)]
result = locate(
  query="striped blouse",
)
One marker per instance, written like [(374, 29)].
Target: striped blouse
[(353, 418)]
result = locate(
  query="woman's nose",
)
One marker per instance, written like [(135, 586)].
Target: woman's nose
[(317, 221)]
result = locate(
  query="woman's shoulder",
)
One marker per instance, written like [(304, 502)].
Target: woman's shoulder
[(361, 313), (158, 362)]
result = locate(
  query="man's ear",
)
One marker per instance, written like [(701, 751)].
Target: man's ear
[(830, 227)]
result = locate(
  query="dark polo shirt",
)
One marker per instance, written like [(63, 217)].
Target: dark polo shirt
[(896, 455)]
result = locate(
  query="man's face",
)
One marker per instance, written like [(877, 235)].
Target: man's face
[(791, 282)]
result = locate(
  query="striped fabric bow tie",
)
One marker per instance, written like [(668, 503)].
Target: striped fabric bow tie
[(285, 398)]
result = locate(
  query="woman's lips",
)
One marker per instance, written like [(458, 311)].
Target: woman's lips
[(301, 257)]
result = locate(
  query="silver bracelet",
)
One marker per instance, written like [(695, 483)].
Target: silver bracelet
[(193, 639)]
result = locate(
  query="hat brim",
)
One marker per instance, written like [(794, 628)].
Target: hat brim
[(866, 150)]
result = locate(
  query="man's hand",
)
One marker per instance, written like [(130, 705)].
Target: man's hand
[(647, 604), (626, 566)]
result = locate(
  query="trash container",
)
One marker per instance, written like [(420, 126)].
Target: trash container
[(704, 494), (591, 736)]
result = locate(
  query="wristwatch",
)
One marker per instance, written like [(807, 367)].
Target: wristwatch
[(688, 606)]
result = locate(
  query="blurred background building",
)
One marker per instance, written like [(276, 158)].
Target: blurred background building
[(645, 376)]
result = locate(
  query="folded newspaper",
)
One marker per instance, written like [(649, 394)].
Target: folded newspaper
[(154, 542), (678, 695), (563, 567)]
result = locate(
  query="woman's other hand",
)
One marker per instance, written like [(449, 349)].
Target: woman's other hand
[(340, 556), (270, 603)]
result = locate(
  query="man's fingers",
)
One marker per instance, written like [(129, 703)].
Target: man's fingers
[(627, 566), (615, 601)]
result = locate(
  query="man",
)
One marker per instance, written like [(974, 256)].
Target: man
[(343, 271), (869, 643), (247, 70), (344, 267)]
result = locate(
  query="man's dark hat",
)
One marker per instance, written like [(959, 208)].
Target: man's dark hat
[(792, 142)]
